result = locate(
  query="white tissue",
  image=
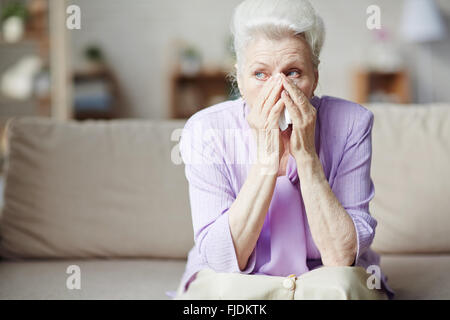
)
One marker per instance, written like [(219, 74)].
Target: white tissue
[(285, 120)]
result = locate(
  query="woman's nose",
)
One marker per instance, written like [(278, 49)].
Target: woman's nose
[(276, 76)]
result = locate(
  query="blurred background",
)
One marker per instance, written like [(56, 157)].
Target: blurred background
[(168, 59)]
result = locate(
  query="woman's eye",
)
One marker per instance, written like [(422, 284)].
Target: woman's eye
[(260, 75), (293, 73)]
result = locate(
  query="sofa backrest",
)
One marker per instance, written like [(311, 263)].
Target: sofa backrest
[(94, 189), (411, 174), (110, 189)]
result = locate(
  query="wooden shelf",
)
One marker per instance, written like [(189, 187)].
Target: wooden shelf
[(191, 93), (36, 39), (395, 85), (106, 76)]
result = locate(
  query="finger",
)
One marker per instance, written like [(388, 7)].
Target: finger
[(273, 96), (264, 94), (297, 95), (275, 112), (293, 109)]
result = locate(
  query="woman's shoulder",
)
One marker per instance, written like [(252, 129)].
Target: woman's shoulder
[(349, 108), (343, 115), (343, 123), (220, 115)]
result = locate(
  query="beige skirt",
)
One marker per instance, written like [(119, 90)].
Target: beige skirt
[(336, 283)]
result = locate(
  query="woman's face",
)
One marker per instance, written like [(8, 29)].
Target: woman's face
[(264, 58)]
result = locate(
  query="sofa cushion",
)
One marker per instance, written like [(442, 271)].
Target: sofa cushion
[(99, 279), (411, 174), (410, 276), (94, 189), (418, 276)]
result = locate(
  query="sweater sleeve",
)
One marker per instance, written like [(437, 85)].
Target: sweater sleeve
[(353, 185), (211, 195)]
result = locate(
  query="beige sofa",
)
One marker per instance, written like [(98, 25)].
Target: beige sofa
[(108, 198)]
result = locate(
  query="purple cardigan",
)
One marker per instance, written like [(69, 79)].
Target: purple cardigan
[(218, 153)]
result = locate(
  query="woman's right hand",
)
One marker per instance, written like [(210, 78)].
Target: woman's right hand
[(263, 120)]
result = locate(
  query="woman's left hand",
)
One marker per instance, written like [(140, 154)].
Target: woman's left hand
[(303, 116)]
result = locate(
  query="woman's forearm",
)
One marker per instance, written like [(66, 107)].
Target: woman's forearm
[(248, 212), (331, 226)]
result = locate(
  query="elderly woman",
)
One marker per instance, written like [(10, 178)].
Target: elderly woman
[(293, 222)]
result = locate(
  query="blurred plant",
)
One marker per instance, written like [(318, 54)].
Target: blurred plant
[(191, 60), (93, 54), (190, 53), (14, 9), (383, 55)]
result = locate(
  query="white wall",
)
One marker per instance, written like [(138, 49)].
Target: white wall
[(136, 36)]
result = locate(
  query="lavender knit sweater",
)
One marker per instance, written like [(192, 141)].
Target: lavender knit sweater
[(218, 151)]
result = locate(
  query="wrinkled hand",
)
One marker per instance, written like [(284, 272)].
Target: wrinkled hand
[(263, 119), (303, 116)]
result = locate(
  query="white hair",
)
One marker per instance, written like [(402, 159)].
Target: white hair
[(277, 19)]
